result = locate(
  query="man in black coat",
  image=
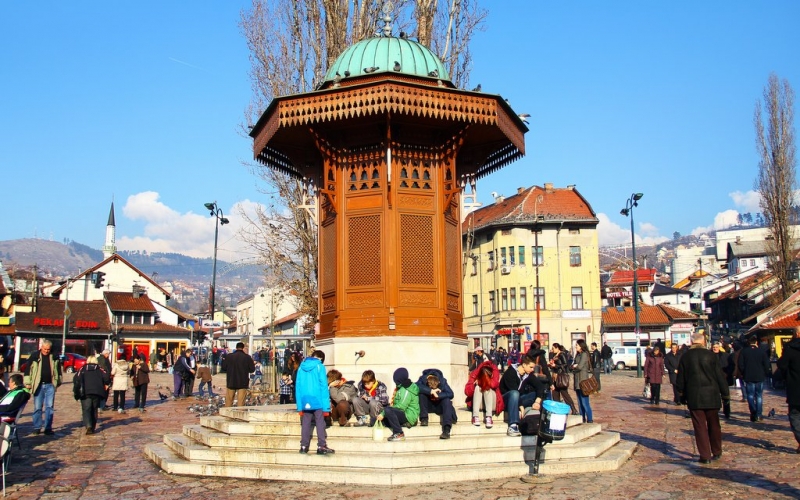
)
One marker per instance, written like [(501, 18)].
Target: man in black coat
[(789, 366), (607, 354), (671, 361), (436, 396), (755, 367), (237, 366), (702, 384)]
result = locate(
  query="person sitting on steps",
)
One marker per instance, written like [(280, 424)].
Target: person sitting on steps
[(520, 390), (375, 394), (405, 405), (436, 396)]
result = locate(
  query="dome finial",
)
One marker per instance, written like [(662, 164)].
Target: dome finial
[(387, 9)]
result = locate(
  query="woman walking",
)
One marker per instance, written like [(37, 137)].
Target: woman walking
[(654, 374), (140, 376), (560, 370), (581, 371), (89, 387), (120, 372)]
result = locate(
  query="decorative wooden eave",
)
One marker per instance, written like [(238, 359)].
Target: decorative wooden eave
[(395, 94)]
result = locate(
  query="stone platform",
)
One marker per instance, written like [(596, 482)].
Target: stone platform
[(263, 443)]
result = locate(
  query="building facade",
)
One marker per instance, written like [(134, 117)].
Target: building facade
[(531, 270)]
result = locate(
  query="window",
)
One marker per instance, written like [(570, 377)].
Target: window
[(513, 299), (644, 289), (538, 297), (511, 255), (492, 304), (474, 305), (521, 256), (577, 297), (574, 231), (538, 256), (752, 262), (575, 256), (491, 260), (474, 266), (503, 256), (504, 298), (523, 298), (744, 263)]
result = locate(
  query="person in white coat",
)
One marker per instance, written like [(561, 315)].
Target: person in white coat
[(120, 372)]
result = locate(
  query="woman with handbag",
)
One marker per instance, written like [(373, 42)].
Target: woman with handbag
[(582, 371), (654, 374), (561, 377)]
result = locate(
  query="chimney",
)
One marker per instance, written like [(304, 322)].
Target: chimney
[(548, 187), (520, 190), (571, 187), (738, 240)]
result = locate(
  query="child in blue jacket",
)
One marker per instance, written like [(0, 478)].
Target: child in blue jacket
[(313, 401)]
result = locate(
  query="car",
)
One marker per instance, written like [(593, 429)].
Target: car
[(625, 357), (71, 364)]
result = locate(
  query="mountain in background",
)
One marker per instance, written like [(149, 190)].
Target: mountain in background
[(69, 258)]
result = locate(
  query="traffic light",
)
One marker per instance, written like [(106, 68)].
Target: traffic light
[(98, 279)]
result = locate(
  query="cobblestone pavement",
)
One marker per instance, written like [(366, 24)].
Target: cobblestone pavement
[(758, 459)]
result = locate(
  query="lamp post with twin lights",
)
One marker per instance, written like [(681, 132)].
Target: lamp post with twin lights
[(216, 212), (633, 201)]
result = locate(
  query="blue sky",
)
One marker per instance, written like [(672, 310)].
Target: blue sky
[(142, 102)]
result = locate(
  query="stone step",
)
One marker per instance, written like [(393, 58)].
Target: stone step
[(383, 455), (318, 471)]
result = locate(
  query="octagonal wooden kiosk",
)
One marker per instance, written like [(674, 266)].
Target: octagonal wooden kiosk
[(388, 143)]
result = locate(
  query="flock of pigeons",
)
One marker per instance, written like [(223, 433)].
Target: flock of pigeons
[(209, 405)]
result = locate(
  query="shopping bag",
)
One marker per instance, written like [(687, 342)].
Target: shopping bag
[(646, 391), (377, 431)]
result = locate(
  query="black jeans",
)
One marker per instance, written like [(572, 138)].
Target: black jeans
[(395, 418), (188, 386), (655, 393), (442, 407), (89, 406), (140, 396), (119, 400)]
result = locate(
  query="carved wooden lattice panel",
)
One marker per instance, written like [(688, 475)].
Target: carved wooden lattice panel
[(453, 257), (364, 250), (416, 250), (364, 175), (329, 257)]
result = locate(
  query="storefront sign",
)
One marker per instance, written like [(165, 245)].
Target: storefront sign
[(618, 295), (507, 331), (59, 322)]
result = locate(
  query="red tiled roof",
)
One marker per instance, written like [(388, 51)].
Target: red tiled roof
[(643, 276), (126, 302), (49, 316), (624, 316), (745, 286), (157, 328), (558, 204), (674, 313)]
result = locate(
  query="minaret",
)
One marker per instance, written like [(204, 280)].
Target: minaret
[(110, 248)]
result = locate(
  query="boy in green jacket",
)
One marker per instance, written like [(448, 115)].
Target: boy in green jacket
[(405, 405)]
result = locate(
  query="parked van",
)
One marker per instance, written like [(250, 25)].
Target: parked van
[(625, 357)]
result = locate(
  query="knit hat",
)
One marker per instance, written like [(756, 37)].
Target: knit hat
[(400, 376)]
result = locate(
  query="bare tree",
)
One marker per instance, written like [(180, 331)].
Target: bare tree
[(776, 181), (292, 43)]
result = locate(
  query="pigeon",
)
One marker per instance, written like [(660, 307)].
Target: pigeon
[(434, 73), (440, 83), (477, 89), (346, 73), (524, 117), (337, 78), (396, 66), (158, 386), (771, 413), (371, 69), (162, 396), (403, 34)]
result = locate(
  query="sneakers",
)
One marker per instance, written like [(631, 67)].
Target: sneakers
[(445, 432), (397, 437), (303, 449), (513, 430), (407, 424), (121, 410), (324, 450), (36, 432), (489, 422), (48, 432), (361, 421), (89, 430), (476, 421), (423, 422)]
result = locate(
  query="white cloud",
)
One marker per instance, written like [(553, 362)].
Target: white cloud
[(610, 233), (167, 230), (702, 230), (722, 220), (747, 202)]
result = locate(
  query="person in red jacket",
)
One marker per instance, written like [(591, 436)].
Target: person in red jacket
[(654, 374), (483, 390)]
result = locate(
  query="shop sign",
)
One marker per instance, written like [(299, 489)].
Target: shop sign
[(59, 322)]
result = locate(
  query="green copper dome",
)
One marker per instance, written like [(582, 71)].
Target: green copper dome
[(382, 53)]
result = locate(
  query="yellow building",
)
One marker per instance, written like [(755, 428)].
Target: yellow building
[(538, 246)]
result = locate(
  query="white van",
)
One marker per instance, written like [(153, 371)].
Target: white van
[(625, 357)]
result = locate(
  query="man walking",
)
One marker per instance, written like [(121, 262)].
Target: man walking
[(702, 384), (105, 364), (42, 378), (789, 365), (671, 361), (755, 367), (606, 354), (237, 366)]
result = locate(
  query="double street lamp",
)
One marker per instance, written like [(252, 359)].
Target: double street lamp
[(633, 201), (216, 212)]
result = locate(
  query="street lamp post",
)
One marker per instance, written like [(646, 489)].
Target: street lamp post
[(536, 257), (220, 219), (631, 202)]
